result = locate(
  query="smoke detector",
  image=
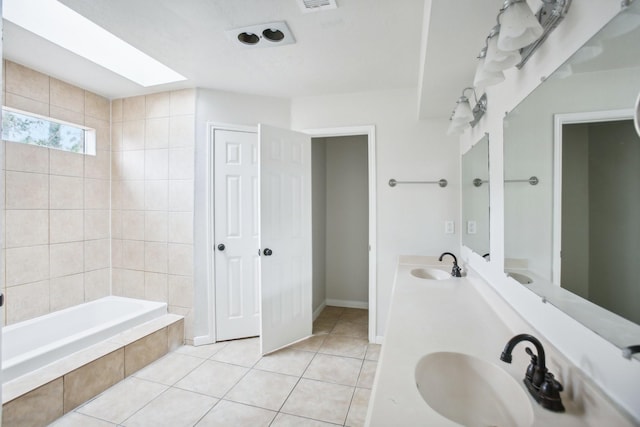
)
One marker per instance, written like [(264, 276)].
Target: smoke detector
[(317, 5), (262, 35)]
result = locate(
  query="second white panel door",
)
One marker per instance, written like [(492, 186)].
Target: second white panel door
[(237, 233)]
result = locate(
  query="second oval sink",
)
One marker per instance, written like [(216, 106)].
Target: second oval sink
[(430, 274), (471, 391)]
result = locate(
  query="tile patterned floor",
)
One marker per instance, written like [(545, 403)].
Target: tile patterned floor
[(325, 380)]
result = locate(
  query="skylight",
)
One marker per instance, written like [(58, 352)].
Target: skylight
[(59, 24)]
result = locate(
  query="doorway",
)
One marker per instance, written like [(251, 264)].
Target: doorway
[(340, 222)]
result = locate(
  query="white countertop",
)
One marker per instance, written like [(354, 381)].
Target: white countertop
[(429, 316)]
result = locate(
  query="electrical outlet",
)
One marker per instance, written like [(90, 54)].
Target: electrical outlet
[(471, 227), (449, 227)]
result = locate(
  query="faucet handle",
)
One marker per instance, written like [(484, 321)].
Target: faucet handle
[(550, 393)]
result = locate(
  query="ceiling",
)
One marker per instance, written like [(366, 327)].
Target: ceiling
[(363, 45)]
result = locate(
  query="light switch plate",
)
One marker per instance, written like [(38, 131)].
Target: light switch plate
[(449, 227)]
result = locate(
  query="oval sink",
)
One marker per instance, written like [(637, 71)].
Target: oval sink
[(472, 392), (430, 274), (520, 278)]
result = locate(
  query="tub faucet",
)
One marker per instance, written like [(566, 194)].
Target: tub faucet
[(541, 384), (455, 271)]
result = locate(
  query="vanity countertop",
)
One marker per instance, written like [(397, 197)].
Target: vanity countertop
[(450, 315)]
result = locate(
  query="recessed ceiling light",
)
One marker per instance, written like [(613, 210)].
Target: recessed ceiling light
[(61, 25), (262, 35)]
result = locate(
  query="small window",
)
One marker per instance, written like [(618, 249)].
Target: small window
[(28, 128)]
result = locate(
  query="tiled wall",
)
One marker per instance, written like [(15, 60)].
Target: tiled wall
[(152, 199), (57, 203)]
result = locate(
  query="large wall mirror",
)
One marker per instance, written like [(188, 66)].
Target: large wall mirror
[(572, 184), (475, 197)]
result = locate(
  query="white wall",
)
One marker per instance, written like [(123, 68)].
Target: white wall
[(592, 354), (410, 217), (347, 226), (234, 109)]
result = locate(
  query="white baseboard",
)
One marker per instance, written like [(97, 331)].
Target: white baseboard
[(203, 340), (318, 310), (347, 303), (379, 339)]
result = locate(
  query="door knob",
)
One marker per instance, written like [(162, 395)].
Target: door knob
[(267, 252), (221, 247)]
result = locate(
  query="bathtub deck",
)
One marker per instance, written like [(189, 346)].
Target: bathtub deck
[(75, 379)]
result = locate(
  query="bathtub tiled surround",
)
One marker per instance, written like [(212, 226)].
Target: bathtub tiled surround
[(152, 199), (323, 381), (41, 397), (57, 203)]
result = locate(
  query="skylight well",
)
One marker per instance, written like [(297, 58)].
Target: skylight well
[(59, 24)]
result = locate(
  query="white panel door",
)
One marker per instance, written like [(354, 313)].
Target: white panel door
[(285, 200), (237, 231)]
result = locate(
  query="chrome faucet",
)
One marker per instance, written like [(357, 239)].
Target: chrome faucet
[(541, 383), (455, 271)]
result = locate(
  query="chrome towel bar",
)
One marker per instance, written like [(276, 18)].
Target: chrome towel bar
[(442, 183)]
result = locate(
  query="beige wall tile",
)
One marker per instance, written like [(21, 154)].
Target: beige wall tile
[(133, 135), (133, 254), (156, 195), (131, 283), (63, 114), (117, 282), (103, 132), (66, 291), (180, 291), (144, 351), (97, 106), (116, 165), (116, 253), (132, 165), (97, 254), (66, 163), (66, 225), (92, 379), (157, 105), (133, 225), (181, 195), (157, 133), (187, 313), (182, 131), (98, 166), (116, 224), (26, 158), (27, 301), (26, 104), (183, 102), (26, 190), (116, 110), (26, 228), (156, 226), (155, 257), (133, 108), (116, 137), (97, 193), (66, 259), (155, 286), (180, 259), (132, 195), (39, 407), (97, 284), (67, 96), (181, 163), (96, 224), (156, 164), (175, 334), (27, 265), (66, 192), (26, 82), (180, 227)]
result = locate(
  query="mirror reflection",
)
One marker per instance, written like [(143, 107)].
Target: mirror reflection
[(578, 226), (475, 198)]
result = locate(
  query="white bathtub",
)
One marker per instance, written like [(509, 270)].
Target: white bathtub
[(34, 343)]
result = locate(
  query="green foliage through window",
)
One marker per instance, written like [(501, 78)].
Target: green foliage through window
[(28, 129)]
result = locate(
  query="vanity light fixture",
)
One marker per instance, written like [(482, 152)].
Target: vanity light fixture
[(464, 115), (484, 78), (518, 26), (497, 59)]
